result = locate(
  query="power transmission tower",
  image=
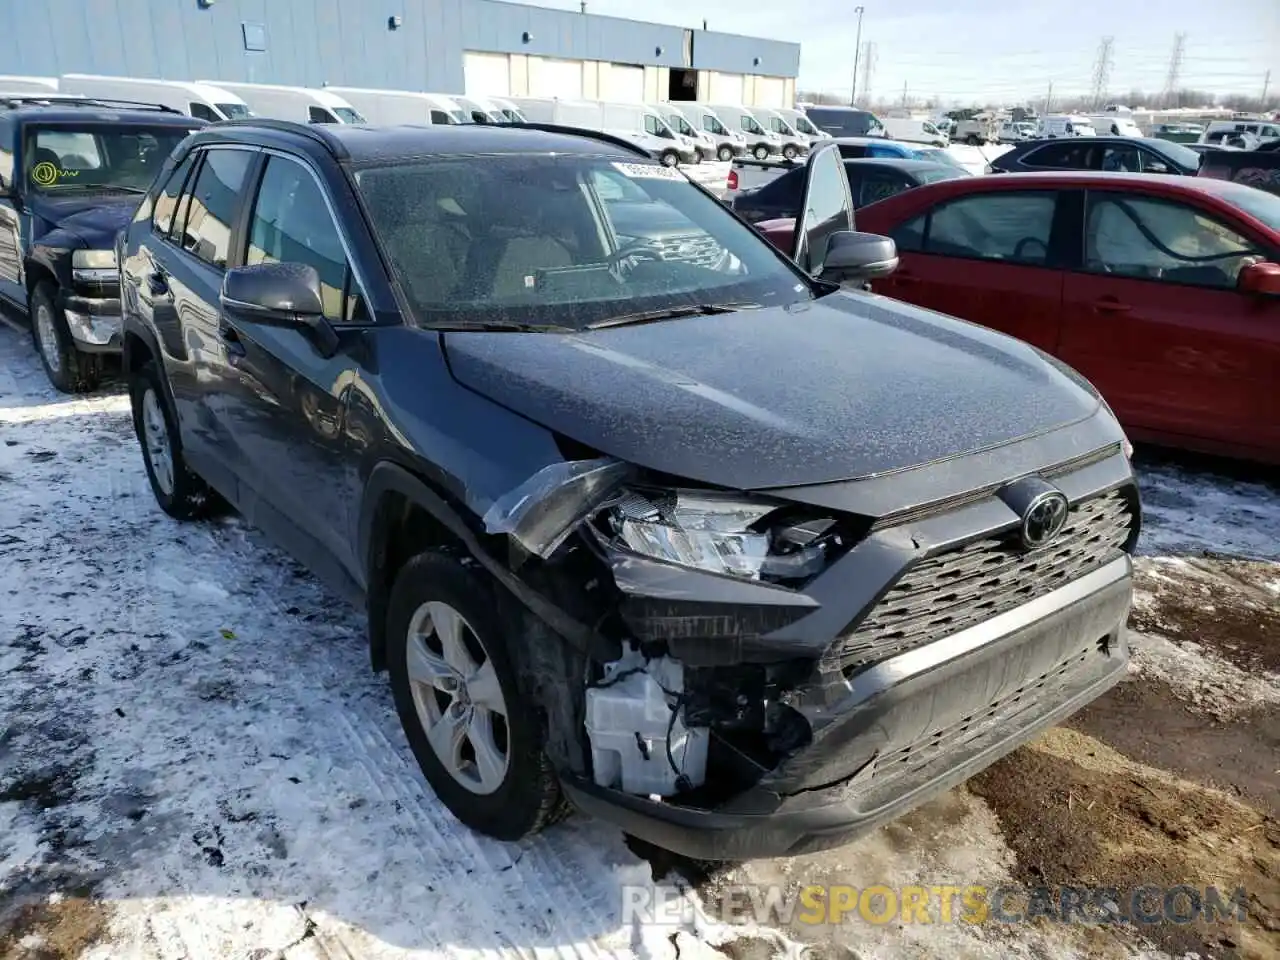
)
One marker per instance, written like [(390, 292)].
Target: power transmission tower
[(868, 68), (1266, 84), (1175, 68), (1102, 70)]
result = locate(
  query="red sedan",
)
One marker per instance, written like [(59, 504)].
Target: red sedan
[(1163, 291)]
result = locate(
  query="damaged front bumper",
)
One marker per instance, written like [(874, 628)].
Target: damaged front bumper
[(751, 719), (95, 322), (911, 727)]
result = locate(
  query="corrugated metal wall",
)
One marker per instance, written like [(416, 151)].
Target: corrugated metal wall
[(311, 42)]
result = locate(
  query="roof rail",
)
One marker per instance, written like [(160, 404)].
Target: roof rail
[(312, 131), (15, 100), (577, 132)]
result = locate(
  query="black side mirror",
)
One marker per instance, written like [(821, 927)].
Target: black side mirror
[(855, 258), (280, 295)]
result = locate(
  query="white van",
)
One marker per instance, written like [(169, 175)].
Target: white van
[(794, 143), (1115, 125), (1066, 125), (481, 109), (397, 107), (803, 125), (914, 131), (201, 100), (760, 141), (1257, 130), (728, 143), (634, 122), (507, 109), (13, 84), (300, 104), (702, 142)]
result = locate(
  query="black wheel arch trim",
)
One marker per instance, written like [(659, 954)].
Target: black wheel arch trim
[(392, 478)]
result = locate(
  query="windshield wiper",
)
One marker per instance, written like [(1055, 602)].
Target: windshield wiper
[(670, 313), (515, 326)]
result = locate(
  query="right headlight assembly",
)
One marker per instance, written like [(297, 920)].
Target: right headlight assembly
[(726, 534)]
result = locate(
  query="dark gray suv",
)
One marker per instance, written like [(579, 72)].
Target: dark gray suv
[(681, 532)]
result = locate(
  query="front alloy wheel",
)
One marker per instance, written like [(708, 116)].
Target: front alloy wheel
[(761, 152), (458, 698), (725, 154)]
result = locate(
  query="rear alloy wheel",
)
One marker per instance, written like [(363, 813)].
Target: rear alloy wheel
[(725, 154), (66, 367), (761, 152), (179, 492), (669, 158), (474, 736), (790, 152)]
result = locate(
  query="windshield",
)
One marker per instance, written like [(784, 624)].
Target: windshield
[(514, 116), (234, 111), (347, 115), (1183, 156), (681, 125), (78, 157), (564, 241), (1257, 203), (459, 116), (749, 124)]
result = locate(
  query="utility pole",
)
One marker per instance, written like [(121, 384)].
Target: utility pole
[(868, 68), (904, 93), (1266, 83), (857, 49), (1048, 99), (1175, 68), (1102, 70)]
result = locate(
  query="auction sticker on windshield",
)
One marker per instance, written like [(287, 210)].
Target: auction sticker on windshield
[(649, 171)]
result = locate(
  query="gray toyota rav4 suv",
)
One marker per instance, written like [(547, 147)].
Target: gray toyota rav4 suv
[(680, 531)]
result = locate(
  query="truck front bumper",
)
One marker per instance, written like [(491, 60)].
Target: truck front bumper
[(94, 322), (907, 728)]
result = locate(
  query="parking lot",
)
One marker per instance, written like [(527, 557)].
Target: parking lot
[(195, 760)]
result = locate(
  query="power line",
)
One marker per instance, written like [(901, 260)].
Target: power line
[(1175, 66), (1102, 69)]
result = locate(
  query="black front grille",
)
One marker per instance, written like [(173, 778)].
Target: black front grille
[(952, 591)]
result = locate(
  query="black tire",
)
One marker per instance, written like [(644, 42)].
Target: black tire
[(790, 151), (529, 796), (724, 154), (669, 158), (761, 152), (187, 496), (973, 140), (66, 367)]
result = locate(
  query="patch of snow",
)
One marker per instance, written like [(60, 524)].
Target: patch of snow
[(1185, 512), (1209, 682)]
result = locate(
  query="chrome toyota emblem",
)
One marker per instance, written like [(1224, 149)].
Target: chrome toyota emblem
[(1044, 519)]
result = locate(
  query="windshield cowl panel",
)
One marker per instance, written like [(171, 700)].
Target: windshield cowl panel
[(564, 242)]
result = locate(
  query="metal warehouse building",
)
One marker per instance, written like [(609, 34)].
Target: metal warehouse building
[(483, 47)]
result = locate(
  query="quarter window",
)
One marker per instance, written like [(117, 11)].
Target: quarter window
[(167, 202), (291, 224), (1008, 227), (207, 230), (1147, 239)]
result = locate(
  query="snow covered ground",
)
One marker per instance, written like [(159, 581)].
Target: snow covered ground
[(195, 761)]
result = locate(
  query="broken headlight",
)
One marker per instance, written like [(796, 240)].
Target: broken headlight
[(718, 533)]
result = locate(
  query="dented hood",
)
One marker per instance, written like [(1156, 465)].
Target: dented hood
[(841, 388)]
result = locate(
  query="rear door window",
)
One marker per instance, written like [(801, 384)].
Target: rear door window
[(1059, 156), (1008, 227)]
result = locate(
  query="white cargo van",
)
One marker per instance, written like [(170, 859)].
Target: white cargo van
[(760, 141), (201, 100), (803, 125), (13, 84), (914, 131), (1115, 125), (728, 143), (507, 109), (300, 104), (702, 142), (1066, 125), (481, 109), (631, 121), (794, 143), (396, 107)]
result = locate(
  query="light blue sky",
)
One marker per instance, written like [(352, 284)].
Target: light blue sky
[(994, 49)]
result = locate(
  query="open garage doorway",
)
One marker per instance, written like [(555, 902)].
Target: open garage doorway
[(683, 84)]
